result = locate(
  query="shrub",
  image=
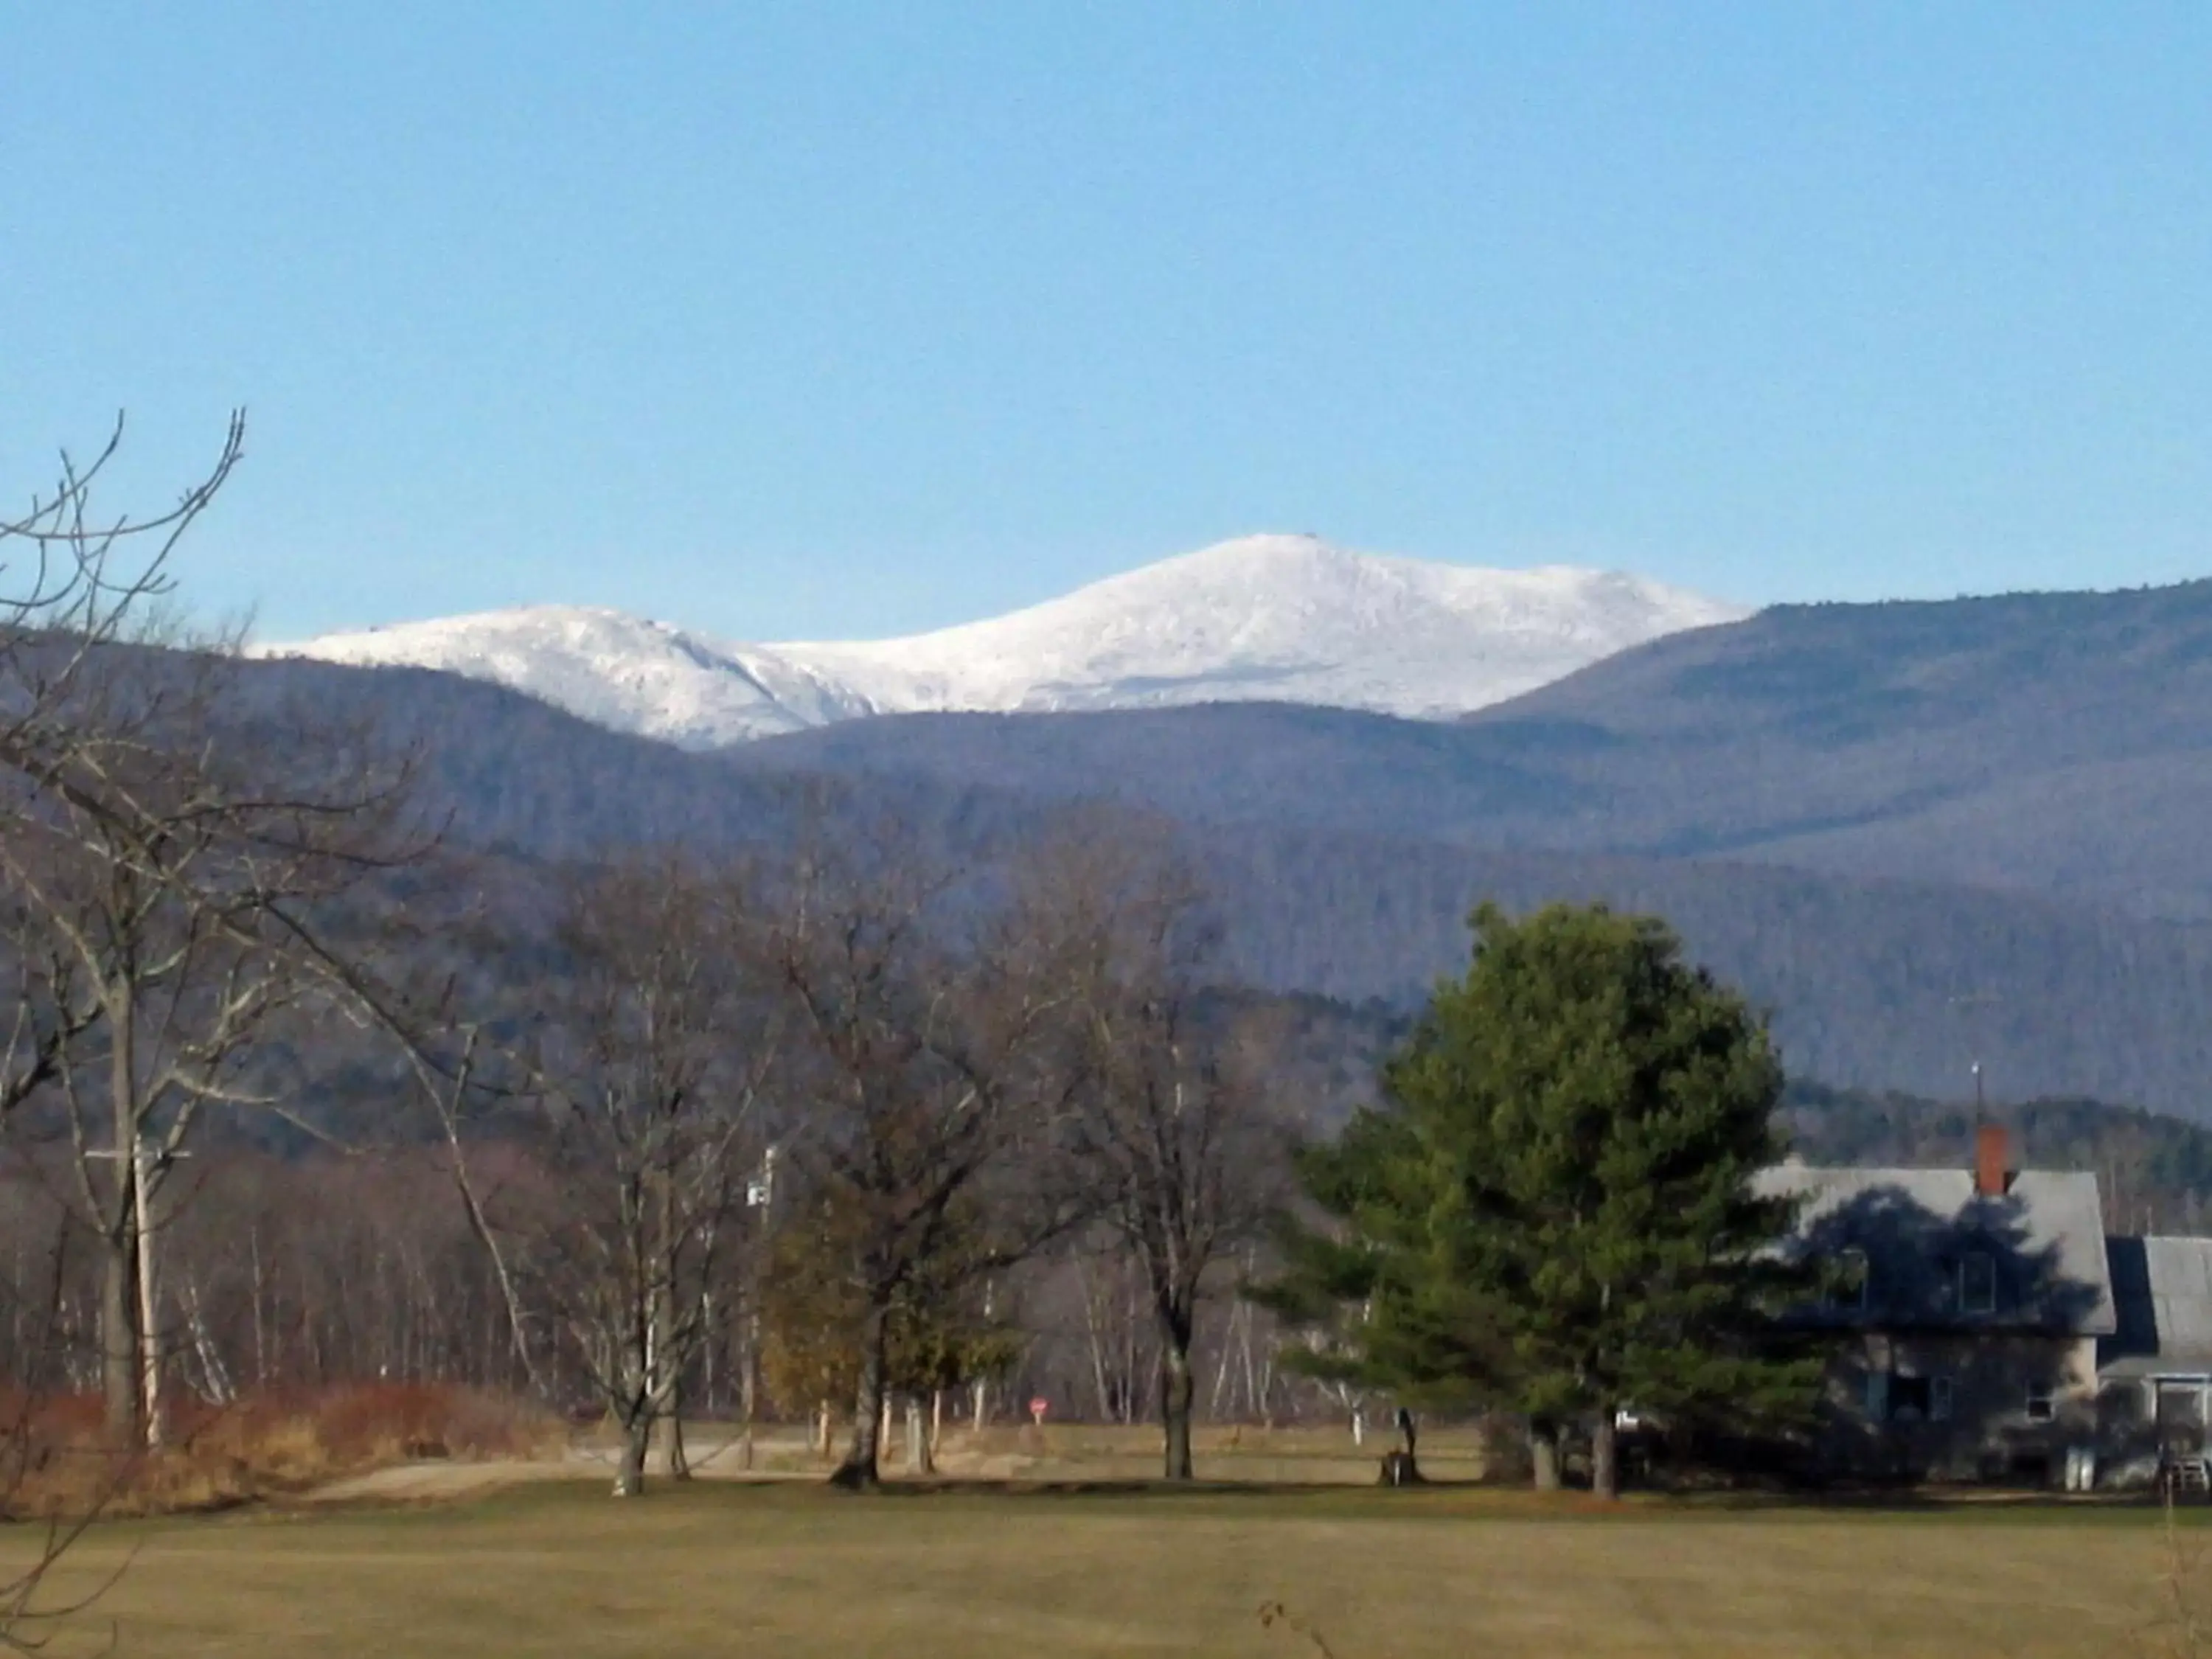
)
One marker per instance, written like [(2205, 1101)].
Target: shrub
[(267, 1446)]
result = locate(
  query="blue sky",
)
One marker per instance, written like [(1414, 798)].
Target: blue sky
[(844, 319)]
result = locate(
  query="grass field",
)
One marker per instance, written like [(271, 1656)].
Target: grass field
[(558, 1568)]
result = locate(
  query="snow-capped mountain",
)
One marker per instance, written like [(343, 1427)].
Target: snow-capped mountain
[(614, 670), (1283, 619)]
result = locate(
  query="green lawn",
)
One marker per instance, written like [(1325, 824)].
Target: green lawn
[(561, 1569)]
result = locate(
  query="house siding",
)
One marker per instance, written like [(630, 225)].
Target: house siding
[(1988, 1433)]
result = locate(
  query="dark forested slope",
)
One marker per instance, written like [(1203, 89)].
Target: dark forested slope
[(1881, 983), (2061, 742)]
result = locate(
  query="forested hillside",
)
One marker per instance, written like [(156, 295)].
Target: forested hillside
[(1881, 984), (2058, 741), (2155, 1170)]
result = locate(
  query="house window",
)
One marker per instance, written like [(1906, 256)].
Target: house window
[(2041, 1404), (1978, 1284), (1892, 1398), (1847, 1281)]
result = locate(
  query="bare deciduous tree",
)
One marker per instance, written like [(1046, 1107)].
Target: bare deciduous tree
[(165, 850), (73, 581), (1174, 1146), (165, 904), (929, 1044), (646, 1057)]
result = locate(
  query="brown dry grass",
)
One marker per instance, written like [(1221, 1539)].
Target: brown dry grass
[(268, 1446), (558, 1569)]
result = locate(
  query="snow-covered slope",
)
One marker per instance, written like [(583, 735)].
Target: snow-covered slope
[(1286, 618), (616, 670)]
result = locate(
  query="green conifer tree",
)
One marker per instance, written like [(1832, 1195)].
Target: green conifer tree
[(1552, 1211)]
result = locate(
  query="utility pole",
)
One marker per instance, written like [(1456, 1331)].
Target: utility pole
[(760, 1195), (149, 1303), (143, 1160)]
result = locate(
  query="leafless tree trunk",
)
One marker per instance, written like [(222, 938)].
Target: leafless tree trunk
[(118, 1336), (1173, 1143), (863, 1457), (1544, 1450), (637, 1438), (1605, 1456)]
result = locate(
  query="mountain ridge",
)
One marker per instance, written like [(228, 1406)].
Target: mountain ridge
[(2053, 743), (1288, 618)]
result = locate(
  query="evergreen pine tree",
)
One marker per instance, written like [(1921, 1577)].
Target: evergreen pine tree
[(1553, 1210)]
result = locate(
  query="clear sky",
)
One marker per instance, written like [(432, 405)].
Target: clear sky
[(824, 319)]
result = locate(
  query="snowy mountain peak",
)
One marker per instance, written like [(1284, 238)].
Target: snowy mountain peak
[(620, 670), (1282, 617)]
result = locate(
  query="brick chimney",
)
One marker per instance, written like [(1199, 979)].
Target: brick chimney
[(1992, 1161)]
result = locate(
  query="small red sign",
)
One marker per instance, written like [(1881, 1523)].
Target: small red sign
[(1038, 1407)]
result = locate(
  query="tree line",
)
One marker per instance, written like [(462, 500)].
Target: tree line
[(805, 1124), (825, 1109), (579, 1128)]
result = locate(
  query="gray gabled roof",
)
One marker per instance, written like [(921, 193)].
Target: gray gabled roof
[(2045, 1236), (2162, 1286)]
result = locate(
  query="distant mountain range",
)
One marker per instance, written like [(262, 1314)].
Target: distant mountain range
[(1281, 618), (1921, 834), (2056, 744)]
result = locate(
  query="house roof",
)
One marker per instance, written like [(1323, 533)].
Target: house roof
[(2045, 1237), (2162, 1289)]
